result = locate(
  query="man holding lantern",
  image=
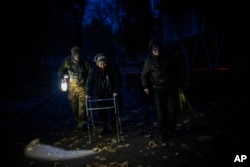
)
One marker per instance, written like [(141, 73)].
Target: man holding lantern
[(76, 68)]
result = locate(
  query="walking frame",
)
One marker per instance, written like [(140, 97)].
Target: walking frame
[(90, 107)]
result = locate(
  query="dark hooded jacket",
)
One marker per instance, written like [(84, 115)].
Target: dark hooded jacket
[(160, 70), (94, 81)]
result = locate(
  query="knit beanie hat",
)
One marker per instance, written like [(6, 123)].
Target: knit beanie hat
[(75, 50), (100, 57), (154, 44)]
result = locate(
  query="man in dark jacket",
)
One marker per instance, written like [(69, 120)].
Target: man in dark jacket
[(104, 80), (77, 69), (160, 79)]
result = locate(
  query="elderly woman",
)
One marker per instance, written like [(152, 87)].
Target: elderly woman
[(104, 81)]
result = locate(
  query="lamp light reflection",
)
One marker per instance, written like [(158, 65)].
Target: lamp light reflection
[(37, 150)]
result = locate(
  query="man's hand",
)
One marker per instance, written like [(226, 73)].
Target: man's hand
[(115, 94), (87, 97), (146, 90)]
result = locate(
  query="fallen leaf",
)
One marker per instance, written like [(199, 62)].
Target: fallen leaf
[(152, 144), (148, 136), (97, 157), (124, 145), (113, 164), (163, 144), (103, 159), (109, 148), (57, 143), (179, 125), (124, 164), (186, 121), (204, 137)]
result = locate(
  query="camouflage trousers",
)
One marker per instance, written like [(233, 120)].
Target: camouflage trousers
[(76, 96)]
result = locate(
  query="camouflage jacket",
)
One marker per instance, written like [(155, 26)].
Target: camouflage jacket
[(77, 72)]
